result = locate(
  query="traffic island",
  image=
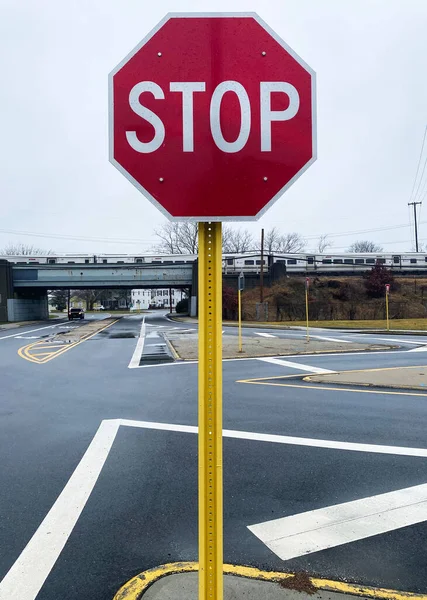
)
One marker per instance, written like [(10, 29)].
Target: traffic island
[(185, 346), (409, 378), (179, 581)]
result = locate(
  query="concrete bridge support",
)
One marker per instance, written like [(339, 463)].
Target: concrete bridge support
[(23, 304), (28, 305)]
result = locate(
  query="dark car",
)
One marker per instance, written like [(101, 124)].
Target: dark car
[(76, 313)]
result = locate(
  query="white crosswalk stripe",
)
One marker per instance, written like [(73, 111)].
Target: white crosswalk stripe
[(293, 365), (267, 335)]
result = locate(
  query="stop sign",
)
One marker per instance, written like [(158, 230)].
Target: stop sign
[(212, 117)]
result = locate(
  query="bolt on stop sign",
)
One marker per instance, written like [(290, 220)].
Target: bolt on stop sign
[(212, 117)]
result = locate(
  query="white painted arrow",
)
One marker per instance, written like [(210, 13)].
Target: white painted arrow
[(333, 526)]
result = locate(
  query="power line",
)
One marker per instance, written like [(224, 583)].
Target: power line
[(79, 238), (418, 167)]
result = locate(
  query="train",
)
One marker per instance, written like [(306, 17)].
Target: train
[(249, 262)]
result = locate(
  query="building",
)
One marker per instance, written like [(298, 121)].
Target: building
[(158, 298), (140, 299)]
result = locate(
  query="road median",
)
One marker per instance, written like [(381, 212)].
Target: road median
[(185, 345), (409, 378)]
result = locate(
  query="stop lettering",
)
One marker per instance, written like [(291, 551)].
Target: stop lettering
[(212, 118), (187, 90)]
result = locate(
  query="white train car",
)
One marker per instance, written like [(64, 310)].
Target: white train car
[(249, 262)]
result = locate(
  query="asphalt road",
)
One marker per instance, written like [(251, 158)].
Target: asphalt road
[(142, 509)]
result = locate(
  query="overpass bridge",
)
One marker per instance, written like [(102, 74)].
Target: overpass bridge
[(23, 288)]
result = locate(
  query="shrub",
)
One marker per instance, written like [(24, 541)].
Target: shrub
[(182, 306)]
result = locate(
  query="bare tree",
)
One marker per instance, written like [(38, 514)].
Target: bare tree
[(182, 238), (274, 241), (237, 240), (365, 246), (177, 238), (323, 243), (88, 296), (21, 249)]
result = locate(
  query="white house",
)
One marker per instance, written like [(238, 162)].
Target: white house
[(140, 299), (159, 298)]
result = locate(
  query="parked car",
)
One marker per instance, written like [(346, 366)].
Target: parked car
[(76, 313)]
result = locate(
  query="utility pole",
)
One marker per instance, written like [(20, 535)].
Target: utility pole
[(414, 204), (261, 275)]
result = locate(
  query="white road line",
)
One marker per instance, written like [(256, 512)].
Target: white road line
[(137, 353), (387, 339), (28, 337), (26, 577), (267, 335), (29, 572), (422, 349), (340, 524), (292, 365), (284, 439), (328, 339), (5, 337)]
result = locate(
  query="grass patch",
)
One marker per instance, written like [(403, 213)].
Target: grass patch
[(420, 324)]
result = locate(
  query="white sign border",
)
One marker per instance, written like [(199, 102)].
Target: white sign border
[(190, 15)]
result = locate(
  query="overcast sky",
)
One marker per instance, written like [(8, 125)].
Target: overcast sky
[(55, 178)]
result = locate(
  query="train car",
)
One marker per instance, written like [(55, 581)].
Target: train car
[(250, 262)]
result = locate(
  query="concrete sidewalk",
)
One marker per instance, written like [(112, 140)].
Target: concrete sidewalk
[(179, 581), (184, 586), (412, 378)]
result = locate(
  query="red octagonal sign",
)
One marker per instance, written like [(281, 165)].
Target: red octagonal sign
[(212, 116)]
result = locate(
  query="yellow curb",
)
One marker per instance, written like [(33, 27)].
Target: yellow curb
[(137, 586), (172, 348)]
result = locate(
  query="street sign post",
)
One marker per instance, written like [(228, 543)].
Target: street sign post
[(307, 287), (240, 288), (387, 293), (212, 118)]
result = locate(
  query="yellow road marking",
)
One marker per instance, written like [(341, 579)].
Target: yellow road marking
[(135, 588), (30, 352), (325, 387)]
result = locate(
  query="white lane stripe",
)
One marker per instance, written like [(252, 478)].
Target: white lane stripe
[(292, 365), (340, 524), (422, 349), (328, 339), (137, 353), (267, 335), (29, 572), (387, 339), (284, 439), (5, 337)]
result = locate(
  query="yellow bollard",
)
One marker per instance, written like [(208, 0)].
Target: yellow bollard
[(210, 413)]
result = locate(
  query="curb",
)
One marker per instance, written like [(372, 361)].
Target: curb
[(171, 348), (319, 379), (135, 588), (308, 353)]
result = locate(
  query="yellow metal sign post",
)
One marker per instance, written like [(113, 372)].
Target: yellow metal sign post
[(387, 292), (210, 413), (307, 283), (240, 288)]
